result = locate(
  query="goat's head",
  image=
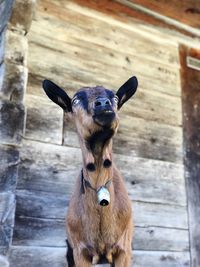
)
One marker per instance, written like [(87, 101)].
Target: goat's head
[(94, 111), (94, 108)]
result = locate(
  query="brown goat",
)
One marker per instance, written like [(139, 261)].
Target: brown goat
[(99, 219)]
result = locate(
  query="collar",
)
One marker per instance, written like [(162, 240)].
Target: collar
[(86, 183)]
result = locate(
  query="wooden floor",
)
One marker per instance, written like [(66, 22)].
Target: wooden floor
[(76, 46)]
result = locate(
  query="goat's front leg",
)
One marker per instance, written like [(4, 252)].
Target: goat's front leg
[(123, 259), (80, 259)]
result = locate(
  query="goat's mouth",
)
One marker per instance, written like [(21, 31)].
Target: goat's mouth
[(104, 117)]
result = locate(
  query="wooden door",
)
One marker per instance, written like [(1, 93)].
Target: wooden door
[(190, 77)]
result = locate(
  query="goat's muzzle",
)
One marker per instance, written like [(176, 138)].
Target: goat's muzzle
[(103, 112)]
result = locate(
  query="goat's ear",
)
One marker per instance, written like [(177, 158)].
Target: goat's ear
[(57, 95), (127, 90)]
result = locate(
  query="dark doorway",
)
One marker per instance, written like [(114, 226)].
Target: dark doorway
[(190, 79)]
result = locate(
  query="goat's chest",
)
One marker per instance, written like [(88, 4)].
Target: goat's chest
[(100, 229), (102, 237)]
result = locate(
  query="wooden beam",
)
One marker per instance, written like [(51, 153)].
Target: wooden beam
[(161, 15), (191, 123), (124, 10), (44, 257), (186, 12)]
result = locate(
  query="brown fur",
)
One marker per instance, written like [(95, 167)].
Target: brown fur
[(94, 230)]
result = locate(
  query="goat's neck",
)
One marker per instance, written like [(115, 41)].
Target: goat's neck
[(103, 170)]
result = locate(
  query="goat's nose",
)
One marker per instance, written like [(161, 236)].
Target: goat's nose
[(102, 102)]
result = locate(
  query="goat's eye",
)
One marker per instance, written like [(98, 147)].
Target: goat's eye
[(116, 99), (75, 101)]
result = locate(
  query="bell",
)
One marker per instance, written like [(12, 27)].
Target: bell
[(103, 196)]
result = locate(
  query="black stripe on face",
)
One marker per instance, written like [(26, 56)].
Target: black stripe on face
[(109, 94), (82, 96)]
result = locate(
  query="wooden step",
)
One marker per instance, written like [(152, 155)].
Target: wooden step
[(55, 257)]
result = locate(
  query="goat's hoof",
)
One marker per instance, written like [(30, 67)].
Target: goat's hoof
[(107, 163), (95, 259), (90, 167), (109, 258)]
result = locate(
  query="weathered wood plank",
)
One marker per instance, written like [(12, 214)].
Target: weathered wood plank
[(160, 239), (51, 232), (53, 206), (8, 168), (94, 68), (45, 257), (100, 29), (22, 15), (41, 205), (148, 103), (14, 77), (39, 232), (155, 180), (7, 211), (11, 122), (148, 139), (44, 120), (40, 222), (160, 259), (150, 214), (154, 106), (37, 256), (16, 48), (46, 232), (138, 137), (46, 167), (51, 168), (157, 86)]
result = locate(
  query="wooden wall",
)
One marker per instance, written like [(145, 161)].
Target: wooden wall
[(78, 46), (13, 81)]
